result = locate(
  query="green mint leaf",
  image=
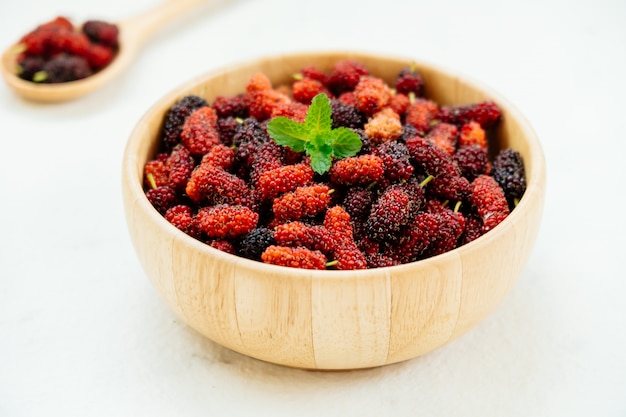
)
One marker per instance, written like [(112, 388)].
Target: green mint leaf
[(287, 132), (345, 142), (316, 136), (318, 117), (321, 163), (321, 156)]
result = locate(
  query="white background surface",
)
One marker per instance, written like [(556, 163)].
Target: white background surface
[(82, 332)]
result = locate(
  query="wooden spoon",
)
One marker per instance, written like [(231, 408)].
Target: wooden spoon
[(133, 34)]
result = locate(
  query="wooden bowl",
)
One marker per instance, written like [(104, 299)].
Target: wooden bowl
[(332, 319)]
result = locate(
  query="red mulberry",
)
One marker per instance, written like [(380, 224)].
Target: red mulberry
[(303, 202), (305, 89), (101, 32), (231, 106), (489, 201), (220, 156), (345, 75), (451, 226), (371, 94), (218, 185), (472, 134), (162, 198), (383, 126), (409, 81), (416, 238), (179, 166), (485, 113), (298, 234), (284, 179), (421, 113), (444, 136), (357, 170), (199, 133), (294, 257), (226, 221), (181, 216)]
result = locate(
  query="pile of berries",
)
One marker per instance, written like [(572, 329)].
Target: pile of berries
[(57, 52), (421, 184)]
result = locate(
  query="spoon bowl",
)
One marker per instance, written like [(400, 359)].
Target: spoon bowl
[(134, 32)]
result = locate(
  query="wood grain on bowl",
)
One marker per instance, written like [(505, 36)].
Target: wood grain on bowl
[(332, 319)]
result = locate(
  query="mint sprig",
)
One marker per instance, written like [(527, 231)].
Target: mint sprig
[(316, 136)]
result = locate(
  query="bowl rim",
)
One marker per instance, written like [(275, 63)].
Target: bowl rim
[(534, 183)]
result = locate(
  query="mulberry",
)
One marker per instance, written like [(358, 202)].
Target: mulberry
[(485, 113), (346, 115), (399, 103), (389, 214), (176, 116), (416, 238), (253, 244), (371, 94), (29, 65), (218, 185), (155, 174), (231, 106), (357, 170), (396, 159), (444, 136), (260, 98), (305, 89), (101, 32), (508, 171), (357, 202), (179, 166), (472, 134), (294, 257), (298, 234), (199, 133), (384, 126), (267, 158), (409, 81), (226, 221), (220, 156), (471, 160), (451, 226), (447, 180), (63, 68), (162, 198), (227, 127), (346, 253), (181, 216), (421, 113), (303, 202), (345, 76), (284, 179), (489, 201)]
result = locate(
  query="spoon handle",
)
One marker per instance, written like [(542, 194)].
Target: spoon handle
[(139, 28)]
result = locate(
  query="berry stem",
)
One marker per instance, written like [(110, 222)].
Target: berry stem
[(331, 263), (151, 180), (40, 76), (426, 181)]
